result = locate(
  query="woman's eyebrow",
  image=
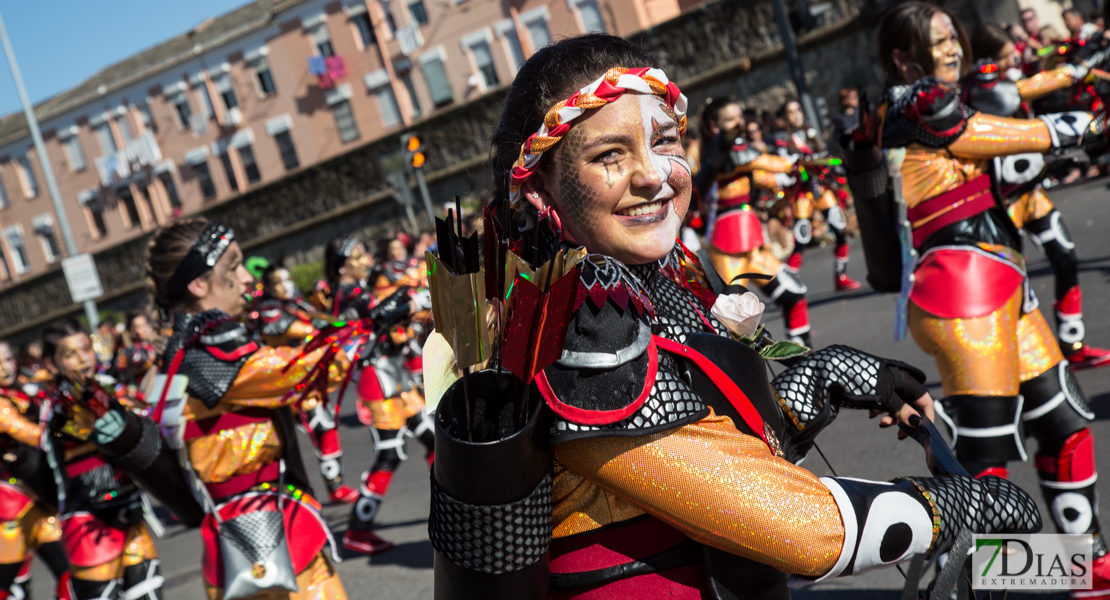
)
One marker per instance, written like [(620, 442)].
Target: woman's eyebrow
[(609, 138)]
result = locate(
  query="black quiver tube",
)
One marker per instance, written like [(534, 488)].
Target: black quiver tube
[(875, 208), (491, 514), (135, 446)]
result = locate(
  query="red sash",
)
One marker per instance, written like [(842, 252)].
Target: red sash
[(955, 205)]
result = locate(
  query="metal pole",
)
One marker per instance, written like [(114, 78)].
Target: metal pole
[(427, 197), (797, 72), (47, 171)]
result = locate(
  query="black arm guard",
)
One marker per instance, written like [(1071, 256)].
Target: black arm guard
[(391, 310), (138, 450), (815, 388)]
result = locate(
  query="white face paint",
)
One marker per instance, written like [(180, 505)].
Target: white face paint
[(946, 50), (664, 145), (284, 288)]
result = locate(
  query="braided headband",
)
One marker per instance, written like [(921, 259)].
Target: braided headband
[(606, 89), (209, 246), (347, 246)]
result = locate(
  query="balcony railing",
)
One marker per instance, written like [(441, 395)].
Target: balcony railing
[(140, 152)]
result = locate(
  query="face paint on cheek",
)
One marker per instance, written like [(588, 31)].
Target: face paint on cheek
[(575, 196)]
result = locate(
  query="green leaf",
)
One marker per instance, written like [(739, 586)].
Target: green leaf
[(783, 350)]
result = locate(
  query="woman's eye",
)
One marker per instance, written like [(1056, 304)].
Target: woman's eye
[(666, 140), (608, 156)]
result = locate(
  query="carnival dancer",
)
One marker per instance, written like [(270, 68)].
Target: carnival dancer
[(285, 319), (230, 424), (650, 494), (968, 301), (134, 360), (30, 524), (988, 88), (802, 139), (730, 175), (105, 532), (386, 388)]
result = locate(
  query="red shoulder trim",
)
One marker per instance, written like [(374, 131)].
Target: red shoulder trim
[(235, 354), (585, 416)]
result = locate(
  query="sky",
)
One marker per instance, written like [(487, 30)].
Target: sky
[(60, 43)]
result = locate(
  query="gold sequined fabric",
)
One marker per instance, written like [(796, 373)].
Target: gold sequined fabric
[(756, 260), (1044, 83), (1037, 347), (988, 136), (929, 172), (392, 413), (1031, 206), (37, 525), (581, 505), (715, 484), (19, 427), (975, 356), (319, 581), (765, 180)]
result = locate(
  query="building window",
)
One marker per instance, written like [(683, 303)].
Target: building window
[(14, 235), (265, 78), (74, 154), (229, 170), (438, 85), (387, 106), (406, 77), (591, 17), (537, 29), (94, 214), (418, 12), (389, 17), (104, 135), (484, 61), (250, 165), (131, 209), (322, 39), (365, 29), (287, 149), (148, 119), (204, 176), (124, 129), (345, 121), (181, 104), (516, 53), (44, 228), (205, 100), (171, 190), (26, 177), (226, 91)]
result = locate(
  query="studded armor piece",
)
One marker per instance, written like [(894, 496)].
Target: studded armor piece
[(216, 348)]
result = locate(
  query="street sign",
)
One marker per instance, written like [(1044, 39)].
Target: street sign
[(82, 277)]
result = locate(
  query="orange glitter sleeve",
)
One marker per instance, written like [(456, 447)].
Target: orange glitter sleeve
[(1044, 83), (771, 163), (988, 136), (13, 423), (765, 180), (262, 382), (721, 488)]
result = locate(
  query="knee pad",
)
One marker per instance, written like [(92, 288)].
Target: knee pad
[(986, 429), (837, 220), (1054, 405), (1067, 476), (389, 449), (95, 590), (371, 494), (143, 581), (803, 232)]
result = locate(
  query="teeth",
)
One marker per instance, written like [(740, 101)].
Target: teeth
[(643, 209)]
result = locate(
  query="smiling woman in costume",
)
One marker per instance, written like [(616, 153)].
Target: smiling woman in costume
[(650, 492)]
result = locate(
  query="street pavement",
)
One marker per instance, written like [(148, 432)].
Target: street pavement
[(854, 445)]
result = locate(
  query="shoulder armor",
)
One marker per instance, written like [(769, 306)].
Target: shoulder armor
[(216, 348), (986, 90), (611, 379), (273, 317), (928, 113)]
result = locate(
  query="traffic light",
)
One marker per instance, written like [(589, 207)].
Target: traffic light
[(413, 148)]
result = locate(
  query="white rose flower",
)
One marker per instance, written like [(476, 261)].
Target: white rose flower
[(740, 313)]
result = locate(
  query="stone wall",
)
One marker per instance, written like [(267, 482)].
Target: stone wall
[(724, 47)]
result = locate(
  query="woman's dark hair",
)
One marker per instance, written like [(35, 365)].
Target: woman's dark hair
[(132, 315), (552, 74), (334, 261), (710, 113), (57, 331), (166, 250), (270, 269), (906, 28), (988, 40)]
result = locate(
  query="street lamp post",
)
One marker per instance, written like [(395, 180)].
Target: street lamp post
[(794, 60), (47, 171)]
